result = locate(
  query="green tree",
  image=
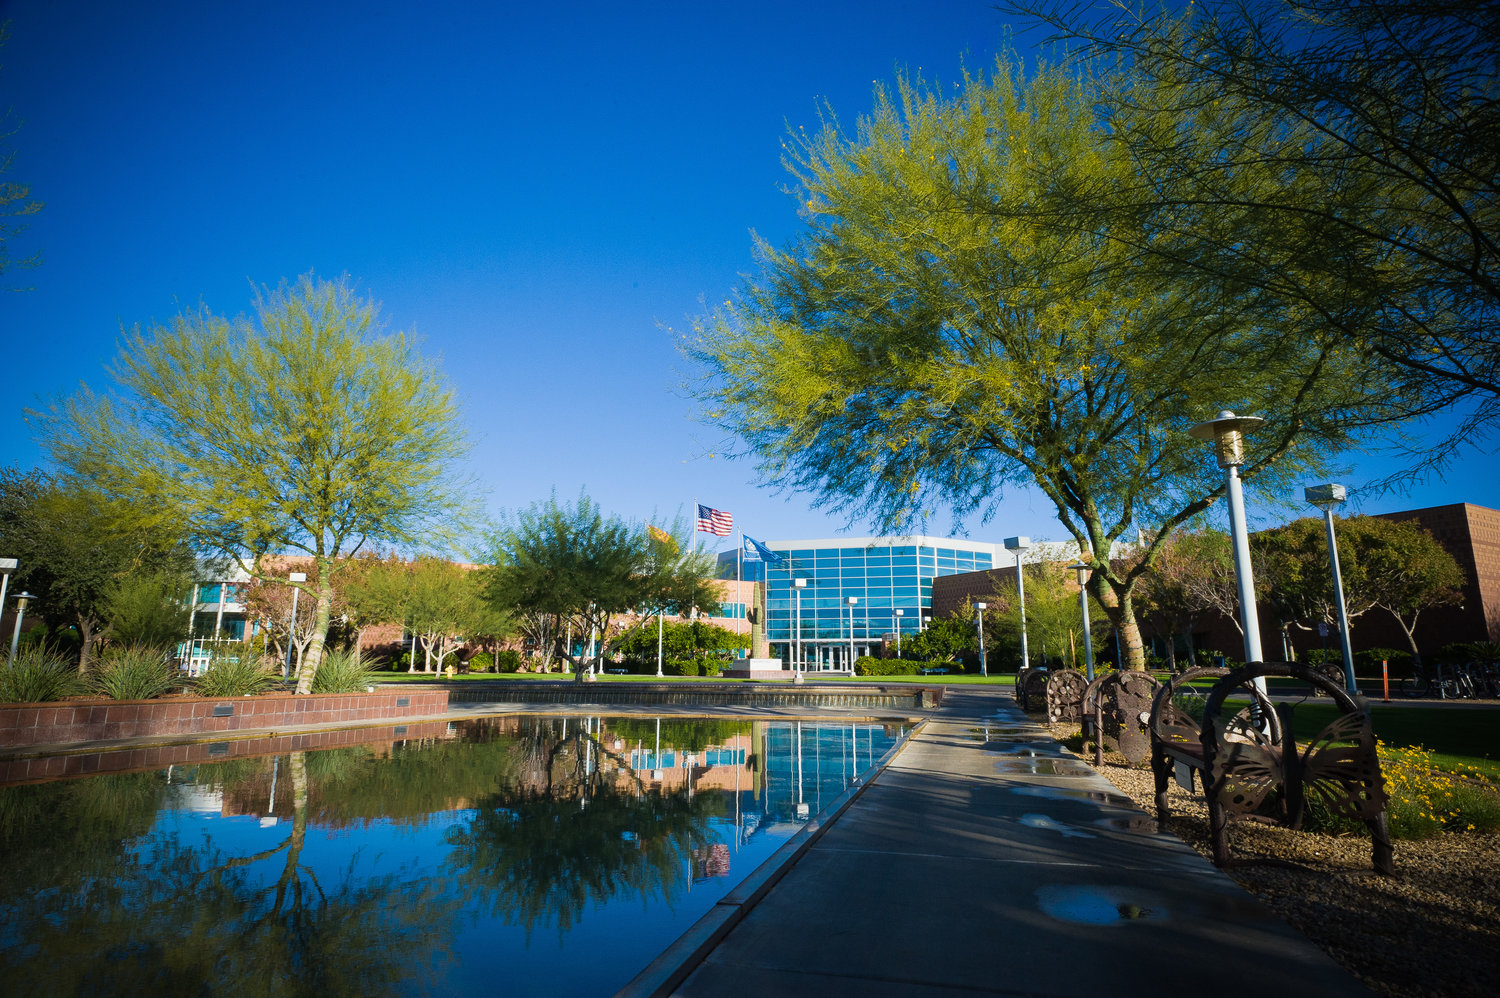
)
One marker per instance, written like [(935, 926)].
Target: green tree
[(149, 608), (1373, 124), (303, 429), (76, 548), (944, 639), (571, 565), (913, 347), (1193, 576), (1410, 573), (1054, 622)]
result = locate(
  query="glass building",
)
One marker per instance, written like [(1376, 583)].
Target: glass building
[(881, 574)]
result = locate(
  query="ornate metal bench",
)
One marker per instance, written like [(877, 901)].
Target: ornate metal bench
[(1250, 765), (1031, 688), (1120, 705), (1065, 695)]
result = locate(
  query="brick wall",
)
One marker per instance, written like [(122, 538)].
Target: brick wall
[(59, 723)]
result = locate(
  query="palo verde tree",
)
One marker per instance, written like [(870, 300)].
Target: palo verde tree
[(912, 348), (303, 429), (572, 565), (1379, 117)]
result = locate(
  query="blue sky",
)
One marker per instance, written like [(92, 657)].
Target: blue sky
[(541, 194)]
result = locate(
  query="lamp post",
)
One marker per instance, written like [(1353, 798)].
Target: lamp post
[(291, 632), (851, 600), (1228, 435), (1328, 498), (979, 623), (899, 614), (661, 614), (22, 599), (1017, 546), (797, 586), (1083, 601)]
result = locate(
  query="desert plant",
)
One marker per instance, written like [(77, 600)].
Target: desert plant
[(138, 672), (508, 660), (234, 676), (341, 672), (38, 675)]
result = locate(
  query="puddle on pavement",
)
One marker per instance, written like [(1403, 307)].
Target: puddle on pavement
[(1035, 750), (1087, 904), (1047, 824), (1067, 793), (1129, 823), (1037, 766)]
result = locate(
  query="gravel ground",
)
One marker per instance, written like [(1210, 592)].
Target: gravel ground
[(1432, 930)]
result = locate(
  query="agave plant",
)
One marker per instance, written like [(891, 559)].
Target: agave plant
[(137, 672), (235, 676), (340, 672), (39, 674)]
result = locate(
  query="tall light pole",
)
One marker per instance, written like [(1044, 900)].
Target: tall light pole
[(1018, 546), (291, 631), (1083, 601), (22, 599), (899, 613), (661, 614), (797, 586), (851, 600), (1228, 435), (1328, 498), (979, 623)]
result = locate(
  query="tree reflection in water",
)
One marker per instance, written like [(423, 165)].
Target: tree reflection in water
[(578, 826), (538, 819), (153, 915)]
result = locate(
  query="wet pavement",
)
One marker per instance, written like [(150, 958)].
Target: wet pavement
[(986, 860)]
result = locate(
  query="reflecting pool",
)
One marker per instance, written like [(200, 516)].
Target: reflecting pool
[(524, 855)]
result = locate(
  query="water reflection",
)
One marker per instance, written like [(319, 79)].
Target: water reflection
[(407, 864)]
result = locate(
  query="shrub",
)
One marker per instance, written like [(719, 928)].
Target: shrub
[(139, 672), (680, 667), (1367, 662), (867, 666), (341, 672), (39, 674), (508, 660), (235, 676), (481, 662)]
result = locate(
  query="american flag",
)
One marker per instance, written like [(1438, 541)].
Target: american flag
[(714, 521)]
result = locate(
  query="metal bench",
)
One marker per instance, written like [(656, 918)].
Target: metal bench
[(1065, 688), (1250, 765), (1119, 703)]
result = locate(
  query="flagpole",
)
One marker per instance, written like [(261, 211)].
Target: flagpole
[(739, 574)]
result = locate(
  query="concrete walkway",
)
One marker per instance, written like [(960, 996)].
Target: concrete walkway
[(983, 860)]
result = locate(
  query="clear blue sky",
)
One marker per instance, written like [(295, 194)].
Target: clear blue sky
[(539, 193)]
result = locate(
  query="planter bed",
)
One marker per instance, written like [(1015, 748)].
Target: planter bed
[(30, 724)]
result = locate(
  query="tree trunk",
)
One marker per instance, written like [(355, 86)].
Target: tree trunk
[(1121, 613), (87, 634), (314, 657)]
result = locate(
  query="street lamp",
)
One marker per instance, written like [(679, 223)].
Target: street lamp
[(22, 599), (899, 614), (291, 632), (661, 614), (983, 669), (1017, 546), (1083, 601), (851, 600), (797, 586), (1328, 498), (1227, 433)]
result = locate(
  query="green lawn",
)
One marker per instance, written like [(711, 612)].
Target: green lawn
[(1454, 735)]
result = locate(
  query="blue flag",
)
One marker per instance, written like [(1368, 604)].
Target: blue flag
[(756, 551)]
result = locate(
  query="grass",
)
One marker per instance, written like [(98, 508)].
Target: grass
[(1456, 738)]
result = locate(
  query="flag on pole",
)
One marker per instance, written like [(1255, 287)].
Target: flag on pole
[(756, 551), (714, 521)]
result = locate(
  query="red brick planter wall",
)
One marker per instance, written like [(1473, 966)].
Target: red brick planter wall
[(78, 721), (159, 756)]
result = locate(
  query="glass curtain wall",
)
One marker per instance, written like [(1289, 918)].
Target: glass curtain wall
[(882, 575)]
